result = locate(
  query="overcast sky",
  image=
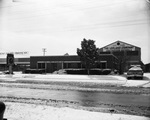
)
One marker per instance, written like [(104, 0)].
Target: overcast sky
[(60, 25)]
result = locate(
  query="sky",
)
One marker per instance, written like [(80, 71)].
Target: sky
[(61, 25)]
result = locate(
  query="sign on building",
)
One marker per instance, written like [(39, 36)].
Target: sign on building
[(10, 62), (118, 46), (15, 53), (10, 59)]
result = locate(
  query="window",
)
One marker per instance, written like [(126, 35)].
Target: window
[(104, 52), (132, 53), (41, 65), (119, 53), (103, 65)]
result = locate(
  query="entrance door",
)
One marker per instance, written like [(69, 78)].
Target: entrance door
[(42, 65), (103, 64)]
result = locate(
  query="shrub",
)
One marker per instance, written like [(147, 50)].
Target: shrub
[(35, 71), (76, 71), (106, 71), (94, 71)]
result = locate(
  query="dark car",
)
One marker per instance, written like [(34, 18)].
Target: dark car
[(135, 72)]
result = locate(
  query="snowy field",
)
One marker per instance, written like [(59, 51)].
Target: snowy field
[(21, 111), (102, 79)]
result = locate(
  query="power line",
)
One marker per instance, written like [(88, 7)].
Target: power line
[(8, 6), (119, 22), (79, 9), (126, 16), (93, 25), (100, 26), (67, 5), (110, 23)]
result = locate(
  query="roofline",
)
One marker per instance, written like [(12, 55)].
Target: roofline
[(119, 41), (55, 56)]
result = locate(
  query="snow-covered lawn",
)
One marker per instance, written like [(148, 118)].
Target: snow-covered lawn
[(145, 82), (21, 111), (101, 79)]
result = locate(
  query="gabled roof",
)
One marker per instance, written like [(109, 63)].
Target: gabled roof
[(120, 42)]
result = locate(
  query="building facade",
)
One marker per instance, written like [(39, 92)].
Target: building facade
[(127, 54), (117, 55), (147, 67), (54, 63), (20, 64)]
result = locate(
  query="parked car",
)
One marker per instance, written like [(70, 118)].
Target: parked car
[(135, 72)]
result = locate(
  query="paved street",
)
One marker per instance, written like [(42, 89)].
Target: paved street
[(78, 96), (82, 94)]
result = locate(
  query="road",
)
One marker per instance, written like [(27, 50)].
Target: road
[(121, 102)]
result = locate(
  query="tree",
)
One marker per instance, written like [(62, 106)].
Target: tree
[(88, 53), (122, 63)]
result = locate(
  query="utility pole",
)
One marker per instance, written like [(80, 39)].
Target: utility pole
[(44, 51), (10, 62)]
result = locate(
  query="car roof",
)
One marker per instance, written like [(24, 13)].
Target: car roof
[(135, 68)]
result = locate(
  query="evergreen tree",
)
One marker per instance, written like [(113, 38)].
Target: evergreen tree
[(88, 53)]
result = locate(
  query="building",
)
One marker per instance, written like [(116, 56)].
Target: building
[(117, 55), (54, 63), (147, 67), (127, 54), (19, 64)]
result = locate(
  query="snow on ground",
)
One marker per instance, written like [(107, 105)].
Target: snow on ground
[(147, 75), (140, 83), (145, 82), (21, 111), (103, 79)]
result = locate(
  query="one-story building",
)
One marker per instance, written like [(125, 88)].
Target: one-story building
[(54, 63), (117, 55), (20, 64)]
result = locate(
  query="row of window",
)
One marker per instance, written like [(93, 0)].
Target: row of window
[(71, 65), (121, 53)]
